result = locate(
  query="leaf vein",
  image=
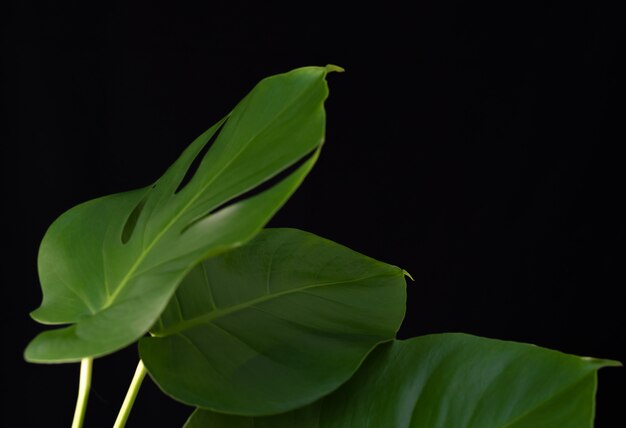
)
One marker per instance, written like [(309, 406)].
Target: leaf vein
[(218, 313), (129, 275)]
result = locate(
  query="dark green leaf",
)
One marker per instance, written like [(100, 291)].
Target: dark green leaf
[(273, 325), (109, 266), (448, 381)]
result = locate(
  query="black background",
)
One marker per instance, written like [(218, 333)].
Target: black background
[(474, 145)]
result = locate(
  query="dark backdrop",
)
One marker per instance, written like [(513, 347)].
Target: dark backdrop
[(473, 145)]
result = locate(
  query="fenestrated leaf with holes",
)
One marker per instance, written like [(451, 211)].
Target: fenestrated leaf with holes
[(109, 266)]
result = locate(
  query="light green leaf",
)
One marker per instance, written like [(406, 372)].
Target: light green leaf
[(273, 325), (109, 266), (448, 381)]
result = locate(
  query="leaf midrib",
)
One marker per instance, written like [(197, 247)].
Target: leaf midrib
[(112, 297), (222, 312), (537, 406)]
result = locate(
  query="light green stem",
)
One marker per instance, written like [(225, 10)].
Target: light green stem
[(129, 400), (83, 392)]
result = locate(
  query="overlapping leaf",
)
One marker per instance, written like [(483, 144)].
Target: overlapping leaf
[(273, 325), (445, 381), (109, 266)]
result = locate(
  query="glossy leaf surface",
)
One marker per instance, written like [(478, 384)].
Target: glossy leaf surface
[(448, 381), (273, 325), (109, 266)]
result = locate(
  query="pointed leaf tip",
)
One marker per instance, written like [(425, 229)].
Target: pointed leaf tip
[(603, 362), (407, 275), (330, 68)]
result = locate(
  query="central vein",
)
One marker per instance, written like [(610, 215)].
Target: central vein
[(128, 276), (221, 312)]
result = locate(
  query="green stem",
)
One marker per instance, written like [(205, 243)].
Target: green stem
[(83, 392), (129, 400)]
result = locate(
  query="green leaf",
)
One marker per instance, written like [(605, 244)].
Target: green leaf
[(109, 266), (273, 325), (451, 381)]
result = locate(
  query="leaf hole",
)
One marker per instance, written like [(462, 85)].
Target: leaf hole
[(260, 188), (131, 221), (195, 164)]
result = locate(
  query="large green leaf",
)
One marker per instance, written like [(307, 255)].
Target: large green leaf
[(109, 266), (451, 381), (273, 325)]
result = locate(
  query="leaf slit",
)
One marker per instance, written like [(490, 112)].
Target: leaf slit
[(262, 187), (131, 222), (195, 164)]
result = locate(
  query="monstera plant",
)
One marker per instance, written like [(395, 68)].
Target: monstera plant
[(272, 327)]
